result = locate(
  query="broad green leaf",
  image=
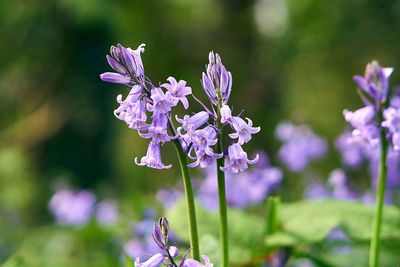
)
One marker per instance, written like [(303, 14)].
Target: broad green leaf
[(311, 221)]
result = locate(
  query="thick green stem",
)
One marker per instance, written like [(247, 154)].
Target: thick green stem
[(223, 216), (194, 238), (380, 195)]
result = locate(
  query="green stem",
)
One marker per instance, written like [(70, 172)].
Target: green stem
[(380, 194), (194, 238), (223, 216)]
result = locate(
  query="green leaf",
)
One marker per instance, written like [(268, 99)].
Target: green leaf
[(246, 232), (310, 221), (129, 261)]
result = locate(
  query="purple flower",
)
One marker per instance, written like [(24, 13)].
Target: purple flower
[(194, 263), (71, 207), (153, 157), (316, 191), (112, 77), (132, 110), (226, 114), (107, 212), (202, 140), (158, 130), (300, 146), (193, 122), (339, 183), (155, 261), (367, 136), (217, 83), (352, 153), (237, 159), (360, 117), (375, 81), (243, 130), (126, 62), (162, 102), (178, 91), (392, 122), (168, 197)]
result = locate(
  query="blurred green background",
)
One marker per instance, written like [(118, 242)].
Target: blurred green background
[(290, 60)]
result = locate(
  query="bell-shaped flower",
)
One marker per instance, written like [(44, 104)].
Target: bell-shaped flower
[(226, 114), (366, 136), (132, 110), (112, 77), (202, 140), (191, 123), (194, 263), (392, 119), (153, 157), (162, 102), (158, 130), (375, 81), (217, 81), (205, 160), (360, 117), (178, 91), (155, 261), (237, 159), (126, 62), (243, 130)]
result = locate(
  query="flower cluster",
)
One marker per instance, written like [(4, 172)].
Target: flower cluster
[(375, 84), (217, 83), (142, 105), (167, 253), (300, 145), (72, 207)]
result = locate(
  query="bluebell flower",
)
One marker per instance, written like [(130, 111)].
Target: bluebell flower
[(226, 114), (217, 81), (352, 154), (360, 117), (132, 110), (155, 261), (194, 263), (238, 159), (392, 123), (113, 77), (153, 157), (193, 122), (375, 81), (162, 102), (178, 91), (243, 130), (158, 130), (340, 185), (127, 63)]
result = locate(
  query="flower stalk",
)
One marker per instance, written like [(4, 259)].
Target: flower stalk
[(223, 214), (380, 195)]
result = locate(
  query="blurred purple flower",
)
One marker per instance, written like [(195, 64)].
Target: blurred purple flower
[(340, 187), (300, 145), (352, 153), (107, 212), (71, 207), (243, 189)]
